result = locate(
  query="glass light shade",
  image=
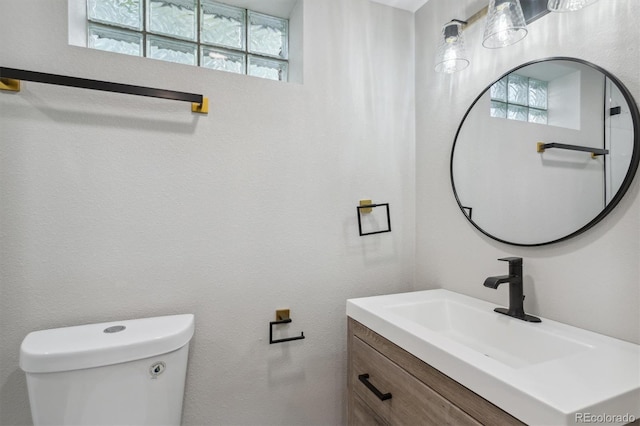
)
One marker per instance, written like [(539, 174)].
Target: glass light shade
[(568, 5), (451, 56), (505, 24)]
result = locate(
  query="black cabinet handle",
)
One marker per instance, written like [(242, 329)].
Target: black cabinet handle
[(364, 378)]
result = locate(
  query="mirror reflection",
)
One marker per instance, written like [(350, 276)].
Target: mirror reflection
[(545, 152)]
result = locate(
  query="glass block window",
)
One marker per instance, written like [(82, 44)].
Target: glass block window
[(196, 32), (516, 97), (115, 40)]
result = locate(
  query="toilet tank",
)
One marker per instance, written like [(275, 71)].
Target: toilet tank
[(116, 373)]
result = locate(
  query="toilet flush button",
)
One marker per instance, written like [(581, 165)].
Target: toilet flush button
[(157, 369), (114, 329)]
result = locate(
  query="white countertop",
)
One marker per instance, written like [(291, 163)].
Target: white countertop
[(559, 375)]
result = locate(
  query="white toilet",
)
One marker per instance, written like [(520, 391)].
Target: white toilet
[(117, 373)]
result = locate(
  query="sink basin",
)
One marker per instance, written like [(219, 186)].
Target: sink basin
[(514, 343), (545, 373)]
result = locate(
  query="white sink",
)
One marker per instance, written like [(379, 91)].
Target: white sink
[(545, 373), (514, 343)]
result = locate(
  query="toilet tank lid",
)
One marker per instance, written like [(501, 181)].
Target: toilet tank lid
[(95, 345)]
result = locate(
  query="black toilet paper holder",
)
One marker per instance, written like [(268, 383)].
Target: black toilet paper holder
[(282, 318)]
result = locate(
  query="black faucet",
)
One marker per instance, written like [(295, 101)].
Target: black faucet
[(516, 296)]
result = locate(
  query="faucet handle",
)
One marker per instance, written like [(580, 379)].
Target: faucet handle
[(512, 260)]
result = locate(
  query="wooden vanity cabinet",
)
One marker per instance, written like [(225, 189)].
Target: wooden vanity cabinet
[(420, 394)]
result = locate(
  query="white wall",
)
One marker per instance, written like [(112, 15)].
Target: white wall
[(591, 281), (119, 207), (116, 207)]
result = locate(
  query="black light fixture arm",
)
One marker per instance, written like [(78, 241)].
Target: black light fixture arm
[(532, 10)]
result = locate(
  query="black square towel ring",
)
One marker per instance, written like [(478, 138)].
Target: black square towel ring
[(366, 207)]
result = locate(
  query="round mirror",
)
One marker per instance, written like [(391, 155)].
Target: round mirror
[(545, 152)]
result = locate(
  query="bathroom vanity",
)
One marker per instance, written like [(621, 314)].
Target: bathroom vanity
[(420, 394), (437, 357)]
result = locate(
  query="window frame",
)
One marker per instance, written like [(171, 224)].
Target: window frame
[(146, 34)]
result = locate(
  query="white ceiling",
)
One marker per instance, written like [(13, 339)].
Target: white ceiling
[(470, 6), (410, 5)]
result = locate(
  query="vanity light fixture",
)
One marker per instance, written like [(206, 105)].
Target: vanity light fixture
[(505, 24), (451, 56), (568, 5)]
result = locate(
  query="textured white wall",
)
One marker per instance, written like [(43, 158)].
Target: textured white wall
[(116, 207), (592, 281)]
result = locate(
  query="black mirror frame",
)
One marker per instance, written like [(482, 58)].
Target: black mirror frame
[(626, 183)]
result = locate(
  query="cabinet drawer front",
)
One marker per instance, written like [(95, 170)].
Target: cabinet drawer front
[(412, 402), (362, 415)]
